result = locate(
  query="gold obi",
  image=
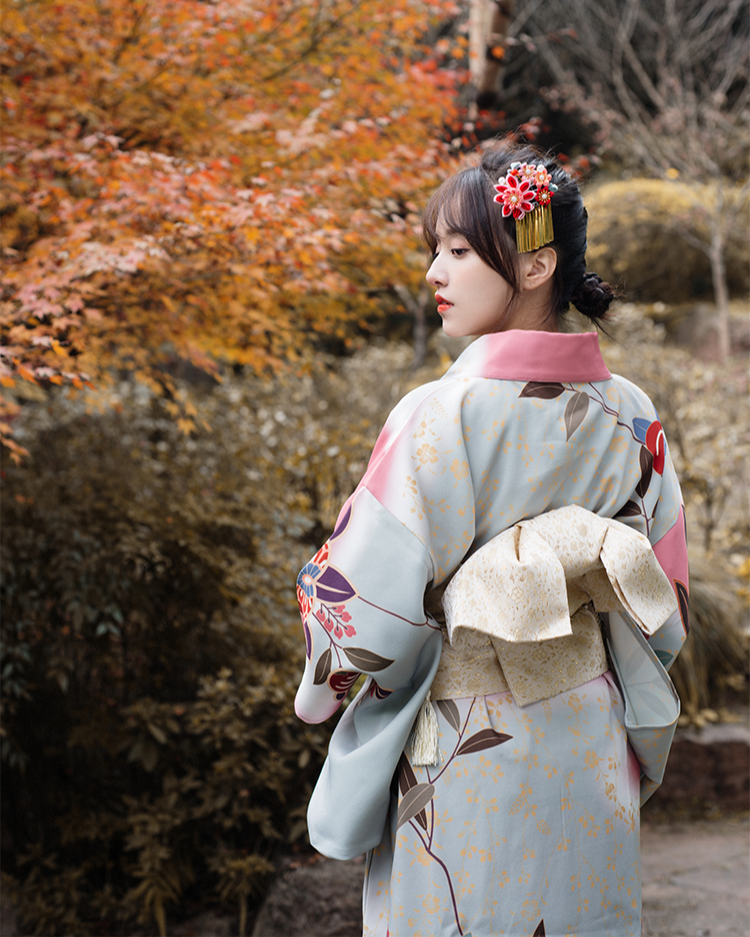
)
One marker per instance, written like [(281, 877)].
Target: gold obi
[(519, 613), (474, 666)]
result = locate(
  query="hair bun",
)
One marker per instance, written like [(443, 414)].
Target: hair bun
[(592, 296)]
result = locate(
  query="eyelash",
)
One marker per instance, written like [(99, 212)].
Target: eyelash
[(456, 251)]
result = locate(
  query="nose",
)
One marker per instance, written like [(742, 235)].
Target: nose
[(436, 276)]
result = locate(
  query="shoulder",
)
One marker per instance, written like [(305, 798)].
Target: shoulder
[(443, 398), (633, 397), (432, 415)]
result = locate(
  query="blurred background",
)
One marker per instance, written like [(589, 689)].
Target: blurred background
[(212, 295)]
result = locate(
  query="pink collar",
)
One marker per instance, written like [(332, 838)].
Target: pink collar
[(525, 355)]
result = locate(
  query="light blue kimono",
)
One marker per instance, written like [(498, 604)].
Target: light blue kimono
[(530, 823)]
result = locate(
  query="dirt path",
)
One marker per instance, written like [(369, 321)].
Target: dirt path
[(696, 878)]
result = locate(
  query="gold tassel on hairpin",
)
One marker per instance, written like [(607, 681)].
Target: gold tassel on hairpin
[(525, 194)]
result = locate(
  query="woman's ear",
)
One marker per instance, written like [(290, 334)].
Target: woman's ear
[(537, 268)]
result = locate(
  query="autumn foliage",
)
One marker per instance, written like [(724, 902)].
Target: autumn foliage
[(208, 182), (232, 186)]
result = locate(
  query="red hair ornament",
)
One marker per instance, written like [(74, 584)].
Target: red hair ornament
[(525, 194)]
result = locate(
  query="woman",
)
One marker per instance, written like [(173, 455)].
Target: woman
[(492, 764)]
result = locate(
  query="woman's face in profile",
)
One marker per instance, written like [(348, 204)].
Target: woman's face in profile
[(472, 298)]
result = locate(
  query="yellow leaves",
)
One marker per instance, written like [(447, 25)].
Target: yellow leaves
[(17, 453), (198, 238), (25, 373), (185, 426), (236, 308)]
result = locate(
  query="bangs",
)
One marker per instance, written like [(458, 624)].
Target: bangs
[(446, 205), (464, 204)]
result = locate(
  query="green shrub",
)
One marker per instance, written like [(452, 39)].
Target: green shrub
[(637, 240), (152, 647), (713, 665)]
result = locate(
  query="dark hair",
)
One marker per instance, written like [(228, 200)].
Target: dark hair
[(464, 204)]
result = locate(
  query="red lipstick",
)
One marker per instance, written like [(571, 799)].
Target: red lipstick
[(443, 304)]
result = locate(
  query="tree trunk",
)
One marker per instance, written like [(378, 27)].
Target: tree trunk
[(721, 292), (489, 21), (420, 333), (478, 29), (416, 306)]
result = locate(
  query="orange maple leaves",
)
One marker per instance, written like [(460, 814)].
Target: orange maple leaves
[(215, 183)]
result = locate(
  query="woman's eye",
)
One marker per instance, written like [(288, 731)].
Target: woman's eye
[(459, 251)]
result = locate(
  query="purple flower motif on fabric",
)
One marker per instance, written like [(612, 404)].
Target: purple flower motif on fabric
[(379, 692), (330, 589), (343, 521)]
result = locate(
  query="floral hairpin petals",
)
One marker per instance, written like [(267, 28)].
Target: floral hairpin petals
[(543, 197), (516, 196), (527, 187), (541, 178)]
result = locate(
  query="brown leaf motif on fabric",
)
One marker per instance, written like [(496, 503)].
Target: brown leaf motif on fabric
[(629, 509), (366, 660), (323, 667), (684, 602), (449, 709), (413, 803), (406, 777), (575, 412), (546, 390), (407, 780), (540, 931), (487, 738), (647, 465)]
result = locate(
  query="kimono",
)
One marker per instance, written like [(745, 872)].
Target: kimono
[(494, 480)]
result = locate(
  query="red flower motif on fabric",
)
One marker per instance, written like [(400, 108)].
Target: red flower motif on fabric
[(656, 443), (341, 681), (322, 584), (651, 435), (335, 620), (307, 578)]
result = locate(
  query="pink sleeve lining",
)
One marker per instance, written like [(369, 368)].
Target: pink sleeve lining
[(671, 552)]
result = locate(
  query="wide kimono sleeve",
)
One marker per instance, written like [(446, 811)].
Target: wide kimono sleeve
[(361, 599), (655, 507)]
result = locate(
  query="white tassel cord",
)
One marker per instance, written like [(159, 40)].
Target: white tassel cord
[(424, 747)]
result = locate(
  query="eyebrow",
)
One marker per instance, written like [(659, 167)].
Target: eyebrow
[(451, 232)]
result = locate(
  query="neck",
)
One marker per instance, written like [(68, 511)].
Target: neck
[(532, 314)]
